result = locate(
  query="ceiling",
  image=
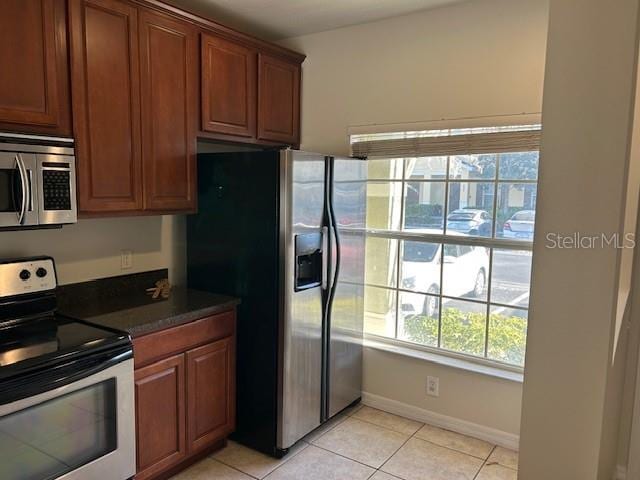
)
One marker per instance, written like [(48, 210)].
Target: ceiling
[(278, 19)]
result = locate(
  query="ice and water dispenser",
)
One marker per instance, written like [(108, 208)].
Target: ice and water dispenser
[(308, 266)]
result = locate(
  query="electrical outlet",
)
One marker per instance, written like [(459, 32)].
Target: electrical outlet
[(126, 259), (433, 386)]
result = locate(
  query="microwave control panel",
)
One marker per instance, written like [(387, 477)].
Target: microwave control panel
[(56, 189)]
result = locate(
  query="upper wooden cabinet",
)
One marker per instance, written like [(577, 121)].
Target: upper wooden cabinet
[(106, 104), (135, 79), (34, 84), (248, 95), (278, 100), (228, 87), (169, 80), (136, 82)]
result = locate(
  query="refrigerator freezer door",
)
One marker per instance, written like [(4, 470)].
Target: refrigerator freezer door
[(302, 195), (347, 310)]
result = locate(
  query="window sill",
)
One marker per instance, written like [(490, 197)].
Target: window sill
[(452, 361)]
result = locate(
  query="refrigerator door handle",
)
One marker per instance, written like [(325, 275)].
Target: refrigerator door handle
[(334, 267), (335, 238), (325, 257), (334, 263)]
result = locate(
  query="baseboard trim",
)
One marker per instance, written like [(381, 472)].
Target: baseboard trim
[(492, 435), (620, 473)]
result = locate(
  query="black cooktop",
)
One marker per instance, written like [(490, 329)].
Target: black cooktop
[(50, 340)]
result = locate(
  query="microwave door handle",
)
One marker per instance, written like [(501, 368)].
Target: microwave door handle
[(24, 183)]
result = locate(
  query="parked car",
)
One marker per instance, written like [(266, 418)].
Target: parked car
[(470, 221), (465, 273), (520, 225)]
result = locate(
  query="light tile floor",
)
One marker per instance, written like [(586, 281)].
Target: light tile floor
[(365, 443)]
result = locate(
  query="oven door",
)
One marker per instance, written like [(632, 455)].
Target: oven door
[(18, 205), (78, 431)]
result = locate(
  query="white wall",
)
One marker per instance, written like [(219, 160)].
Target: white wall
[(633, 320), (91, 248), (475, 59), (479, 399), (588, 183)]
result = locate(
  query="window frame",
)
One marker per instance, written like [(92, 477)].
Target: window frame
[(492, 243)]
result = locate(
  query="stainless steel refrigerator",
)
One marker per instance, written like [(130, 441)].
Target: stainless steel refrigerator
[(283, 230)]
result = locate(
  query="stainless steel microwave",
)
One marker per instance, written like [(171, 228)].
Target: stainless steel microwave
[(37, 181)]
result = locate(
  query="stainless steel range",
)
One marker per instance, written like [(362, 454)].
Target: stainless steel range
[(66, 386)]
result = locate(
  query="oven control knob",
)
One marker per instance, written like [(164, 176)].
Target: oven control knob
[(25, 275), (41, 272)]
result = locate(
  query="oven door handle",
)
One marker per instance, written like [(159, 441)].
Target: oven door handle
[(24, 184), (30, 385)]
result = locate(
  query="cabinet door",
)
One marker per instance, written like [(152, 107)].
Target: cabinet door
[(34, 86), (169, 79), (210, 393), (106, 104), (278, 100), (228, 87), (160, 416)]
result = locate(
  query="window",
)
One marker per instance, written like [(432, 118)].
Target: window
[(450, 222)]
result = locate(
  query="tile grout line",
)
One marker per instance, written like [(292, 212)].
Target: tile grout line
[(484, 460), (391, 429), (346, 417), (484, 463), (285, 460), (372, 474), (414, 434), (399, 448), (457, 451), (344, 456), (309, 444), (385, 428), (493, 446), (328, 430), (232, 467)]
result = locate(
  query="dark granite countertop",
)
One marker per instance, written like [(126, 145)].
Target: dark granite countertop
[(122, 303)]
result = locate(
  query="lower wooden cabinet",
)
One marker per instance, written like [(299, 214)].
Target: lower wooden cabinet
[(210, 393), (185, 402), (160, 416)]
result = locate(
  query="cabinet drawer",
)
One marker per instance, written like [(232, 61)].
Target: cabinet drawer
[(157, 345)]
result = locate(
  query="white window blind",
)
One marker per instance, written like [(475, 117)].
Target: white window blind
[(448, 142)]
